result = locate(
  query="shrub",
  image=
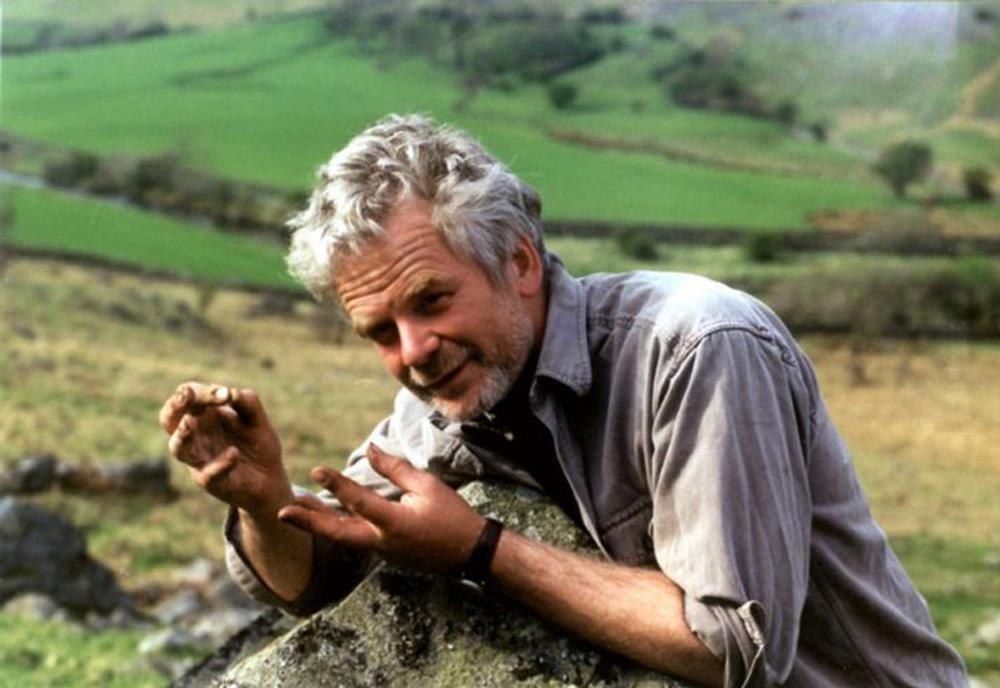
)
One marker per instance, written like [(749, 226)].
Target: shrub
[(764, 246), (562, 94), (606, 15), (711, 79), (960, 297), (662, 32), (787, 113), (537, 50), (903, 163), (977, 182), (152, 176), (637, 244), (819, 131), (71, 171)]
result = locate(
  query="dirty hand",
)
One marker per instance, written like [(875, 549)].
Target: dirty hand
[(431, 528), (225, 438)]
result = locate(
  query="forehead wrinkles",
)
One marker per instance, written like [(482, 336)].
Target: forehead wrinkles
[(387, 270)]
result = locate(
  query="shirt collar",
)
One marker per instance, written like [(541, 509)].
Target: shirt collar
[(564, 356)]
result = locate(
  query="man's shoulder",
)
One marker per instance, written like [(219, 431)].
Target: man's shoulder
[(671, 304)]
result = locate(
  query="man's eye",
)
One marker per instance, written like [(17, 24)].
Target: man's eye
[(431, 301), (384, 336)]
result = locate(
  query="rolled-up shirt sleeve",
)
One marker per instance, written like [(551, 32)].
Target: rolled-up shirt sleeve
[(731, 503)]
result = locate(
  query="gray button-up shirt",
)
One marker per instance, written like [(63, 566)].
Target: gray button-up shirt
[(692, 433)]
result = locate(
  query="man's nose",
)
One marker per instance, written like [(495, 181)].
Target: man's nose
[(417, 344)]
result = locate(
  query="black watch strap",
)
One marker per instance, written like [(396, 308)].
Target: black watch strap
[(476, 571)]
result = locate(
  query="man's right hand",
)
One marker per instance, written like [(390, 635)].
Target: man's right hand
[(232, 451)]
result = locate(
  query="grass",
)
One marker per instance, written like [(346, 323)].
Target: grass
[(58, 221), (178, 13), (268, 102), (56, 655), (726, 263), (84, 382)]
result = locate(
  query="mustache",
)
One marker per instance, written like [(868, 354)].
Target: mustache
[(446, 360)]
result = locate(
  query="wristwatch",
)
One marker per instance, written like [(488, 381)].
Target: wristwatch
[(476, 572)]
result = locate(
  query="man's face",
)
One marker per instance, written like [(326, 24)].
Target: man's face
[(441, 327)]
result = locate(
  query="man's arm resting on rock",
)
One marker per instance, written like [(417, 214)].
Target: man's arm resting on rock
[(636, 612)]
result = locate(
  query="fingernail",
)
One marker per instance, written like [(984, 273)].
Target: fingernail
[(374, 448), (320, 475), (222, 394)]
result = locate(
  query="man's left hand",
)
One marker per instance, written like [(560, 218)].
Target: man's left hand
[(431, 528)]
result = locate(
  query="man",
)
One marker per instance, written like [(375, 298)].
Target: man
[(675, 419)]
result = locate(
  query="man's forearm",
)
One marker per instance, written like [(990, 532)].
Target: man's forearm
[(279, 553), (635, 612)]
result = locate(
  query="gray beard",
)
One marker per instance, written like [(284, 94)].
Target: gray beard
[(498, 376)]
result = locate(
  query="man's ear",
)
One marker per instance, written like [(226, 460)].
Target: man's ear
[(526, 270)]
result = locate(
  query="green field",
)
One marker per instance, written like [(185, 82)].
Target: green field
[(268, 102), (64, 223)]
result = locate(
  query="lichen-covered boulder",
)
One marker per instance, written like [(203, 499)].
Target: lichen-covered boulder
[(404, 629)]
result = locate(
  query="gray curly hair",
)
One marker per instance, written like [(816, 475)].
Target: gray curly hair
[(479, 207)]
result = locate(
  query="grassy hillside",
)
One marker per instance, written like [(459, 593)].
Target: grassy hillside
[(268, 102), (66, 223), (59, 222), (82, 381)]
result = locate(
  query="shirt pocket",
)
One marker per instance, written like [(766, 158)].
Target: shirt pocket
[(625, 533)]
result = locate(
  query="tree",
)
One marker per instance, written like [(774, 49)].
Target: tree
[(562, 94), (903, 163), (787, 113), (977, 183), (635, 243)]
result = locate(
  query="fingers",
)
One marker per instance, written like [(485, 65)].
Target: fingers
[(190, 398), (246, 403), (356, 498), (399, 471), (216, 470), (311, 514), (178, 444)]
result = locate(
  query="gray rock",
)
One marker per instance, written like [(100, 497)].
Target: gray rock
[(29, 475), (147, 476), (183, 604), (42, 552), (215, 627), (199, 573), (33, 605), (36, 473), (170, 640), (404, 629), (120, 619), (269, 625), (144, 476), (223, 592)]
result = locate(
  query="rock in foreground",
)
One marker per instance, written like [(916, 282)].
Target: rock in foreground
[(403, 629), (41, 552)]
